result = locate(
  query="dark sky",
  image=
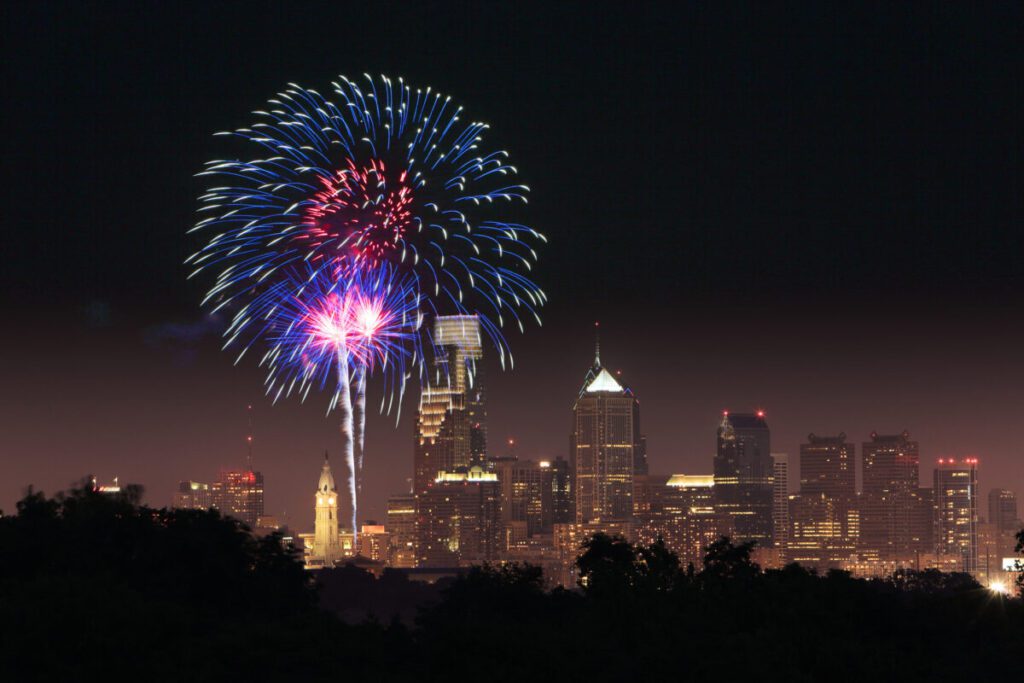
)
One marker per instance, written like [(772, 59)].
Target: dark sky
[(812, 211)]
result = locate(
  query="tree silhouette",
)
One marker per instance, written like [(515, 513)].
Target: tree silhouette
[(607, 566), (1019, 549), (725, 561)]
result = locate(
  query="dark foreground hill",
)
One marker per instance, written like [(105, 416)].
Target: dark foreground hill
[(95, 587)]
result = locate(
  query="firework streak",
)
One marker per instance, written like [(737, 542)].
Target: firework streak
[(367, 212)]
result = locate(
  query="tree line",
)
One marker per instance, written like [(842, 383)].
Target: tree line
[(93, 584)]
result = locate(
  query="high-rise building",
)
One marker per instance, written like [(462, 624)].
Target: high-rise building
[(649, 494), (640, 457), (956, 510), (401, 528), (239, 494), (605, 441), (193, 495), (1003, 516), (326, 548), (743, 476), (690, 498), (823, 531), (895, 510), (374, 542), (458, 519), (563, 497), (523, 493), (1002, 510), (451, 423), (780, 499), (827, 466)]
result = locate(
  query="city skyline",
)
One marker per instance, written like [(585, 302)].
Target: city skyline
[(287, 473), (362, 339), (827, 234)]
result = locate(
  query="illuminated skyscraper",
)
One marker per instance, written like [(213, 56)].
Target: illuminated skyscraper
[(523, 494), (956, 510), (239, 495), (743, 476), (823, 531), (401, 528), (458, 519), (895, 510), (193, 495), (605, 441), (780, 499), (451, 424)]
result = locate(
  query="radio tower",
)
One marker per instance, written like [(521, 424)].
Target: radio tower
[(248, 457)]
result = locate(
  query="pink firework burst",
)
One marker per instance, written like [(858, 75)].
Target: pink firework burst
[(363, 211)]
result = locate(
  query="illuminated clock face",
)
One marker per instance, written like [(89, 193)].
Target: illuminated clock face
[(319, 500), (330, 501)]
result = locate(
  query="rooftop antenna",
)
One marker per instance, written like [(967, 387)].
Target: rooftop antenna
[(248, 457), (597, 343)]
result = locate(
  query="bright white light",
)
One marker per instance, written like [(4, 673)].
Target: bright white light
[(604, 382), (999, 587)]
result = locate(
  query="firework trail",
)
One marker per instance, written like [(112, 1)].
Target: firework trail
[(325, 328), (375, 177)]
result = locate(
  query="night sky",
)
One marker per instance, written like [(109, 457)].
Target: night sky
[(816, 213)]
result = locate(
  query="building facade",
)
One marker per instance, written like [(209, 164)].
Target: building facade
[(828, 467), (780, 499), (605, 441), (744, 492), (451, 423), (401, 528), (239, 494), (956, 511), (458, 520), (193, 495), (895, 510)]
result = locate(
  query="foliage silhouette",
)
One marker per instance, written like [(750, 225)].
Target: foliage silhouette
[(94, 586)]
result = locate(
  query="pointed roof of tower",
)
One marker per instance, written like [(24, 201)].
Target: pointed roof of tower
[(326, 484), (603, 382), (598, 379)]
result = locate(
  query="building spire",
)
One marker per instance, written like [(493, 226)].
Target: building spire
[(597, 343), (248, 457)]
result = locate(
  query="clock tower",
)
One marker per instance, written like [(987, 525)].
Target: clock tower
[(326, 543)]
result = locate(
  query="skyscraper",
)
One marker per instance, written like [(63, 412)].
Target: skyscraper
[(743, 476), (824, 524), (239, 495), (780, 499), (1002, 515), (827, 466), (956, 510), (458, 519), (451, 424), (894, 508), (1002, 509), (401, 528), (326, 548), (562, 495), (605, 441), (522, 493)]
